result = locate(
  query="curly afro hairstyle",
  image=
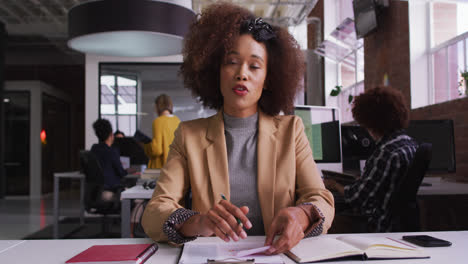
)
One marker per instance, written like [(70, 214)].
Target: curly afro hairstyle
[(212, 36), (381, 109), (103, 129)]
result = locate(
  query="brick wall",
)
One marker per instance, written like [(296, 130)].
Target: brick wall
[(317, 96), (386, 51)]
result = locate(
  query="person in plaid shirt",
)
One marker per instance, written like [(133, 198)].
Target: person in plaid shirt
[(383, 112)]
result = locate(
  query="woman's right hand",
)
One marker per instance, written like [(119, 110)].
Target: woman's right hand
[(220, 220)]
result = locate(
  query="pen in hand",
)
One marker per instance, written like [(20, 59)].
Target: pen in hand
[(237, 219)]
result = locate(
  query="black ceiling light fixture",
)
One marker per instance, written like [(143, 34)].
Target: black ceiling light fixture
[(129, 28)]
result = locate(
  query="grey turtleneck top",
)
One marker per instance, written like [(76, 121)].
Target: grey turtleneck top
[(241, 144)]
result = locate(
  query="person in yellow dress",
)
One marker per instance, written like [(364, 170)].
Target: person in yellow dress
[(163, 132)]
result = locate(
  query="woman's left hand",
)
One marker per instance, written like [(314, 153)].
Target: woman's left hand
[(289, 224)]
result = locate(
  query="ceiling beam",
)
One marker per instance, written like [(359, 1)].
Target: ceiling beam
[(47, 12), (20, 5), (61, 7), (39, 28), (12, 13)]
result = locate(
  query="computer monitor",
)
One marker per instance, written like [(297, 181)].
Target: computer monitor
[(128, 147), (322, 128), (365, 17), (440, 134), (357, 145)]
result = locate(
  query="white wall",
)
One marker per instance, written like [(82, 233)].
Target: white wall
[(419, 33), (92, 89), (331, 77)]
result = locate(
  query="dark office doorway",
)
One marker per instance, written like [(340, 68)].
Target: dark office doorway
[(56, 142), (17, 135)]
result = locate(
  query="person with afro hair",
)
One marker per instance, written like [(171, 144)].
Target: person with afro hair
[(250, 170), (383, 113), (108, 157)]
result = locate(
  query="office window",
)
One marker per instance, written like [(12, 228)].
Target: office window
[(118, 102), (344, 100), (352, 82), (449, 36), (448, 20), (350, 69)]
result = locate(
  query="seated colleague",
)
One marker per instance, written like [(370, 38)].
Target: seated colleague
[(262, 162), (119, 134), (383, 112), (108, 157), (163, 132)]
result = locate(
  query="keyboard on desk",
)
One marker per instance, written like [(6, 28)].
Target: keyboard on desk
[(341, 178)]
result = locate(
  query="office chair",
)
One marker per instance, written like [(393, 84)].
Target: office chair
[(94, 188), (404, 205)]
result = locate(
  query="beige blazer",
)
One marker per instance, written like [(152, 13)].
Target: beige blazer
[(287, 173)]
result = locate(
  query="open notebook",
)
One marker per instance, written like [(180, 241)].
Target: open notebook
[(324, 248)]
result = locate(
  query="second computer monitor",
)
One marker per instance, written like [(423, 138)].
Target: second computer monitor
[(440, 133), (322, 128)]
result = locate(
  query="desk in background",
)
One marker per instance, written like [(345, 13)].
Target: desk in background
[(69, 175), (79, 176), (136, 192), (59, 251), (443, 205), (439, 186)]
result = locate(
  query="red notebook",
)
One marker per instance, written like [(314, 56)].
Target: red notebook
[(113, 254)]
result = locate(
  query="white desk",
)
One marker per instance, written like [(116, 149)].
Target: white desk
[(7, 244), (442, 187), (136, 192), (59, 251), (70, 175)]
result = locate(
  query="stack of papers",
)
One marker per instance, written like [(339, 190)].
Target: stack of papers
[(200, 252)]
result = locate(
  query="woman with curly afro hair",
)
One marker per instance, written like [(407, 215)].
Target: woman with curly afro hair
[(250, 170), (383, 112)]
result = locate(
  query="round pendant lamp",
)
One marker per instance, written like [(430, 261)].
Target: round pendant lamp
[(129, 28)]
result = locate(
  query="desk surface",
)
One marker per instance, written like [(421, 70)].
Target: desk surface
[(440, 186), (78, 174), (59, 251), (7, 244), (137, 192), (69, 174)]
